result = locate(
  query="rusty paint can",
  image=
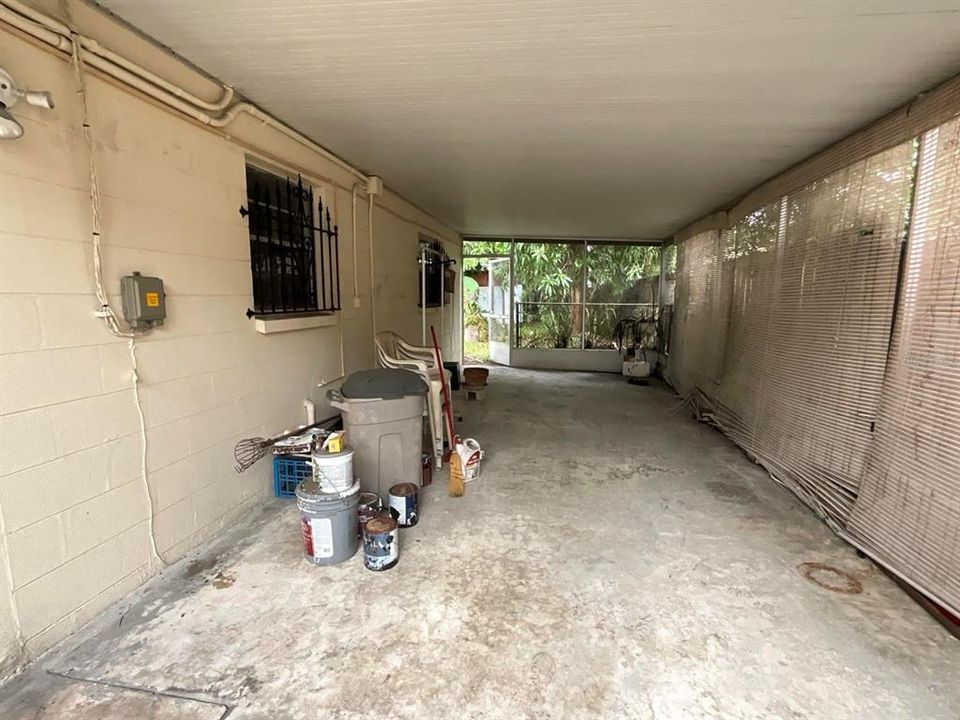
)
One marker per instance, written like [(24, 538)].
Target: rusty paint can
[(381, 543), (403, 504), (368, 507)]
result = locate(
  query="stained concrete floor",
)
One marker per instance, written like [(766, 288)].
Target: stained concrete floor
[(615, 560)]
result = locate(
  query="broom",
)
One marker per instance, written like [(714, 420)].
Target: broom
[(455, 486)]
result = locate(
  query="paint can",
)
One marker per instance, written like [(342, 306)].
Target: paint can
[(368, 507), (328, 523), (381, 543), (403, 504), (333, 470)]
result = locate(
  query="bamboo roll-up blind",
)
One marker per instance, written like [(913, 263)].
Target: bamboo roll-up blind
[(753, 290), (814, 282), (928, 110), (834, 310), (908, 510), (698, 325)]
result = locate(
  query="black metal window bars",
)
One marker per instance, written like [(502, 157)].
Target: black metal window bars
[(287, 250)]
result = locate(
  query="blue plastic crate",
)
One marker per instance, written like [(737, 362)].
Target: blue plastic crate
[(288, 471)]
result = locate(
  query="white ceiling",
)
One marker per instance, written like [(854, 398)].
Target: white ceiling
[(604, 118)]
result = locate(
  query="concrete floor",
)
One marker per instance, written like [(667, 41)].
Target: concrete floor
[(616, 560)]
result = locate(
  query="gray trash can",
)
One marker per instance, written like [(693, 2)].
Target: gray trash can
[(383, 418)]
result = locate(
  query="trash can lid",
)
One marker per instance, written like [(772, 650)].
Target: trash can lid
[(383, 383)]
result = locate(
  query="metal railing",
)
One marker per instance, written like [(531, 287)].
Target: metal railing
[(294, 263), (572, 324)]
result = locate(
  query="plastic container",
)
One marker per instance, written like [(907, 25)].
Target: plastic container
[(328, 523), (288, 472), (454, 367), (470, 456), (333, 470), (383, 418)]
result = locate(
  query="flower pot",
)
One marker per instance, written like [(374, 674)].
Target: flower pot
[(481, 276)]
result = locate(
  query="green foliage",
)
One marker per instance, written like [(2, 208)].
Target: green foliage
[(622, 273), (474, 321), (555, 312), (670, 260), (473, 316), (569, 290), (486, 247), (476, 351)]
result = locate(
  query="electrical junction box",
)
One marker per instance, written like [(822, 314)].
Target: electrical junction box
[(143, 300)]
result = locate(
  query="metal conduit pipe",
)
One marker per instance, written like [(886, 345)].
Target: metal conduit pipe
[(58, 35)]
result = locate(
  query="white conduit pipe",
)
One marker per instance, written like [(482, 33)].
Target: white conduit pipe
[(61, 31), (423, 295), (353, 240), (58, 35), (266, 119), (373, 294), (94, 47), (132, 79)]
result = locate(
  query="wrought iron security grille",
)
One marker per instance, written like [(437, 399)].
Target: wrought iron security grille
[(294, 263)]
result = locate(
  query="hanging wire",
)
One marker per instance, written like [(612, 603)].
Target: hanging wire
[(105, 311)]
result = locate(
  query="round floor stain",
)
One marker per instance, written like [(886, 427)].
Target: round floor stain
[(830, 578)]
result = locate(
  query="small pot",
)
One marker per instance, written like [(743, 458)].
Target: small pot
[(475, 376)]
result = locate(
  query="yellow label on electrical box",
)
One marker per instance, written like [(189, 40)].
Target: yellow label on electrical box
[(153, 299)]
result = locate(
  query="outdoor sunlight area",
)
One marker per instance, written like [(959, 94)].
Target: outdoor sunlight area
[(558, 294)]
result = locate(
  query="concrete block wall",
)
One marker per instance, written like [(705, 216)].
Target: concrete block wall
[(396, 274), (74, 509)]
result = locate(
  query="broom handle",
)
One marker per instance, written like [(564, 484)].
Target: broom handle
[(448, 413), (298, 431)]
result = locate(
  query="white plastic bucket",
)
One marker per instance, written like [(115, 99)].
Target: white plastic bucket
[(334, 471)]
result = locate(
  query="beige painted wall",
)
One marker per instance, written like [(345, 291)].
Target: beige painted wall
[(73, 506)]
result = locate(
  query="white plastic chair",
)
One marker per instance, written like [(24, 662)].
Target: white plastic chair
[(394, 352)]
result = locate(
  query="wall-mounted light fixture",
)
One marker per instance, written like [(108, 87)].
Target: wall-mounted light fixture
[(10, 128)]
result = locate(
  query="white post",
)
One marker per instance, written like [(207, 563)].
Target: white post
[(443, 298), (423, 295)]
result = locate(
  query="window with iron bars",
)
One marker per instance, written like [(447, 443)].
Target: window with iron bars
[(294, 259)]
